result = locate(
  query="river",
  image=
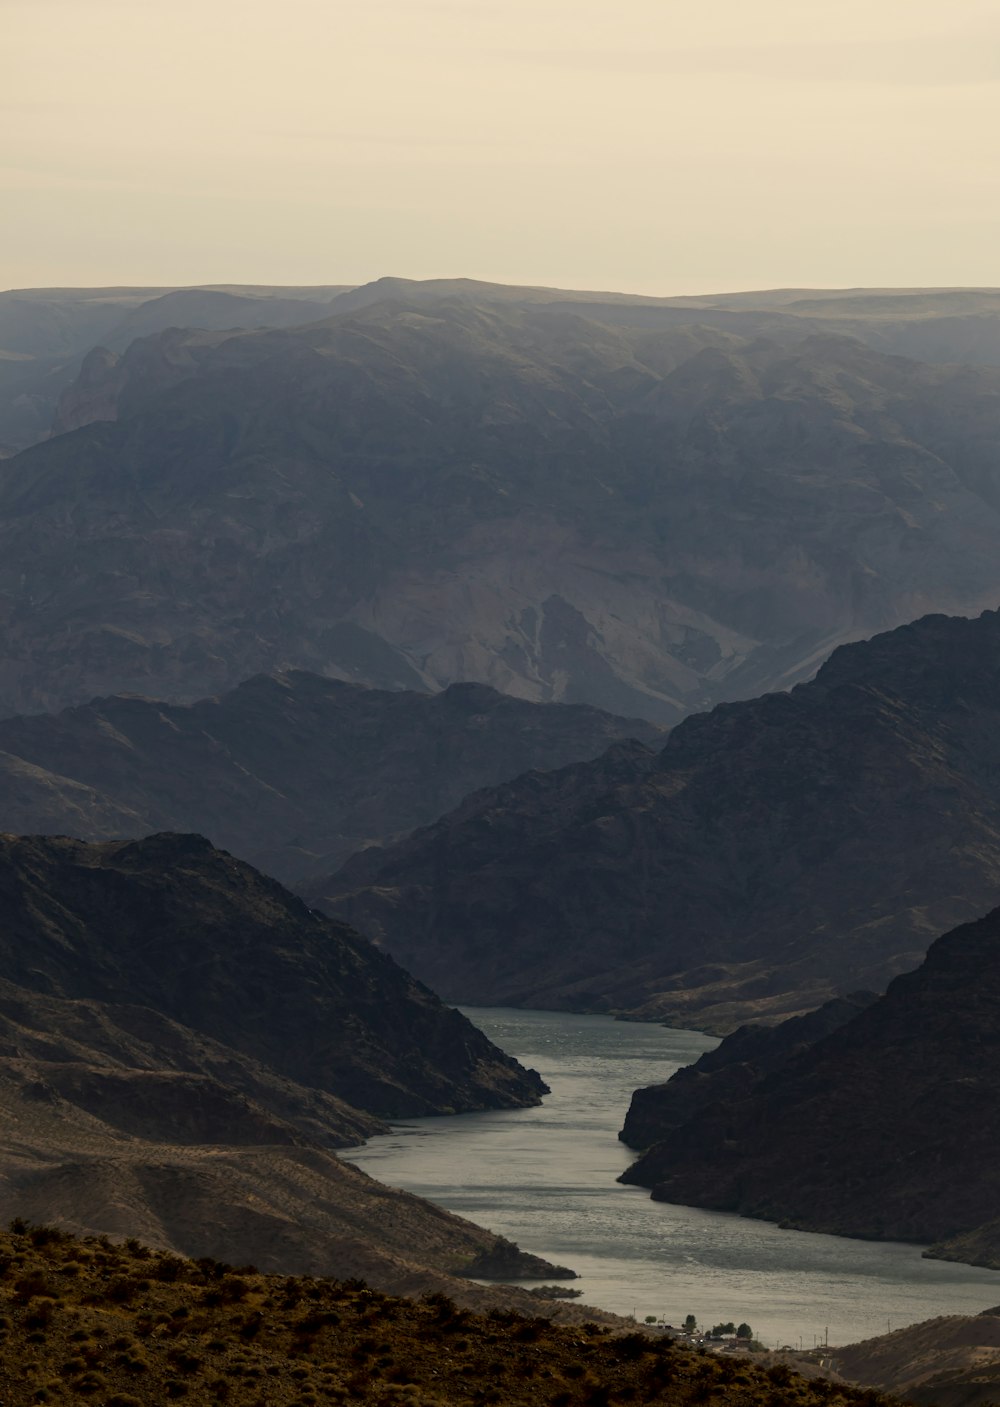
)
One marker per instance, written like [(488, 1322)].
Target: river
[(545, 1178)]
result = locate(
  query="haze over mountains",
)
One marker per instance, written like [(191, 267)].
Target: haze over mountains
[(647, 505), (46, 332), (772, 854)]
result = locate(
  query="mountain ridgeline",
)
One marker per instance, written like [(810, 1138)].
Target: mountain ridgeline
[(771, 855), (643, 505), (291, 772)]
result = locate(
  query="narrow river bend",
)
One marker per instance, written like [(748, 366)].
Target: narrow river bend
[(545, 1178)]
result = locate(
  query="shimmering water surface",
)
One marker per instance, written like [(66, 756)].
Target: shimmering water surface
[(545, 1178)]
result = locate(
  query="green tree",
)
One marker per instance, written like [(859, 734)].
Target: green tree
[(744, 1331), (690, 1324), (721, 1330)]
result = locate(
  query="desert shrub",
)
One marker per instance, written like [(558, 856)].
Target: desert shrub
[(35, 1283), (89, 1382), (631, 1346), (234, 1288), (251, 1327), (120, 1290), (213, 1269), (41, 1316)]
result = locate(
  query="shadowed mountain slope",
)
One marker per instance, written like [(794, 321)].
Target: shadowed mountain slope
[(182, 1046), (291, 772), (772, 854), (170, 923), (644, 513), (885, 1128), (731, 1070)]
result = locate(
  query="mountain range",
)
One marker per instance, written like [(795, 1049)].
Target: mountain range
[(291, 772), (772, 854), (647, 506)]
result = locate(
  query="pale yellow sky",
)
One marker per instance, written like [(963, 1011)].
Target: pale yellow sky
[(658, 146)]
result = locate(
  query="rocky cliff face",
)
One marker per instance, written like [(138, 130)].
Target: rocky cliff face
[(291, 772), (564, 500), (772, 854), (885, 1128)]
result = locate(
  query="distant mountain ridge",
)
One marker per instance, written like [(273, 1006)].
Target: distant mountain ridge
[(772, 854), (290, 772), (641, 506), (45, 333)]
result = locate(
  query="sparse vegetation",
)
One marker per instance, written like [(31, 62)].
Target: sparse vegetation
[(274, 1341)]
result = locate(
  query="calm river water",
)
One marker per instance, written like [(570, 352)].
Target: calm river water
[(545, 1178)]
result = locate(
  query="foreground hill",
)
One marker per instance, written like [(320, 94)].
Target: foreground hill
[(772, 854), (644, 509), (885, 1128), (291, 772), (130, 1328)]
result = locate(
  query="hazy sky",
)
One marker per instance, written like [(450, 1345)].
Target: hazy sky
[(661, 146)]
